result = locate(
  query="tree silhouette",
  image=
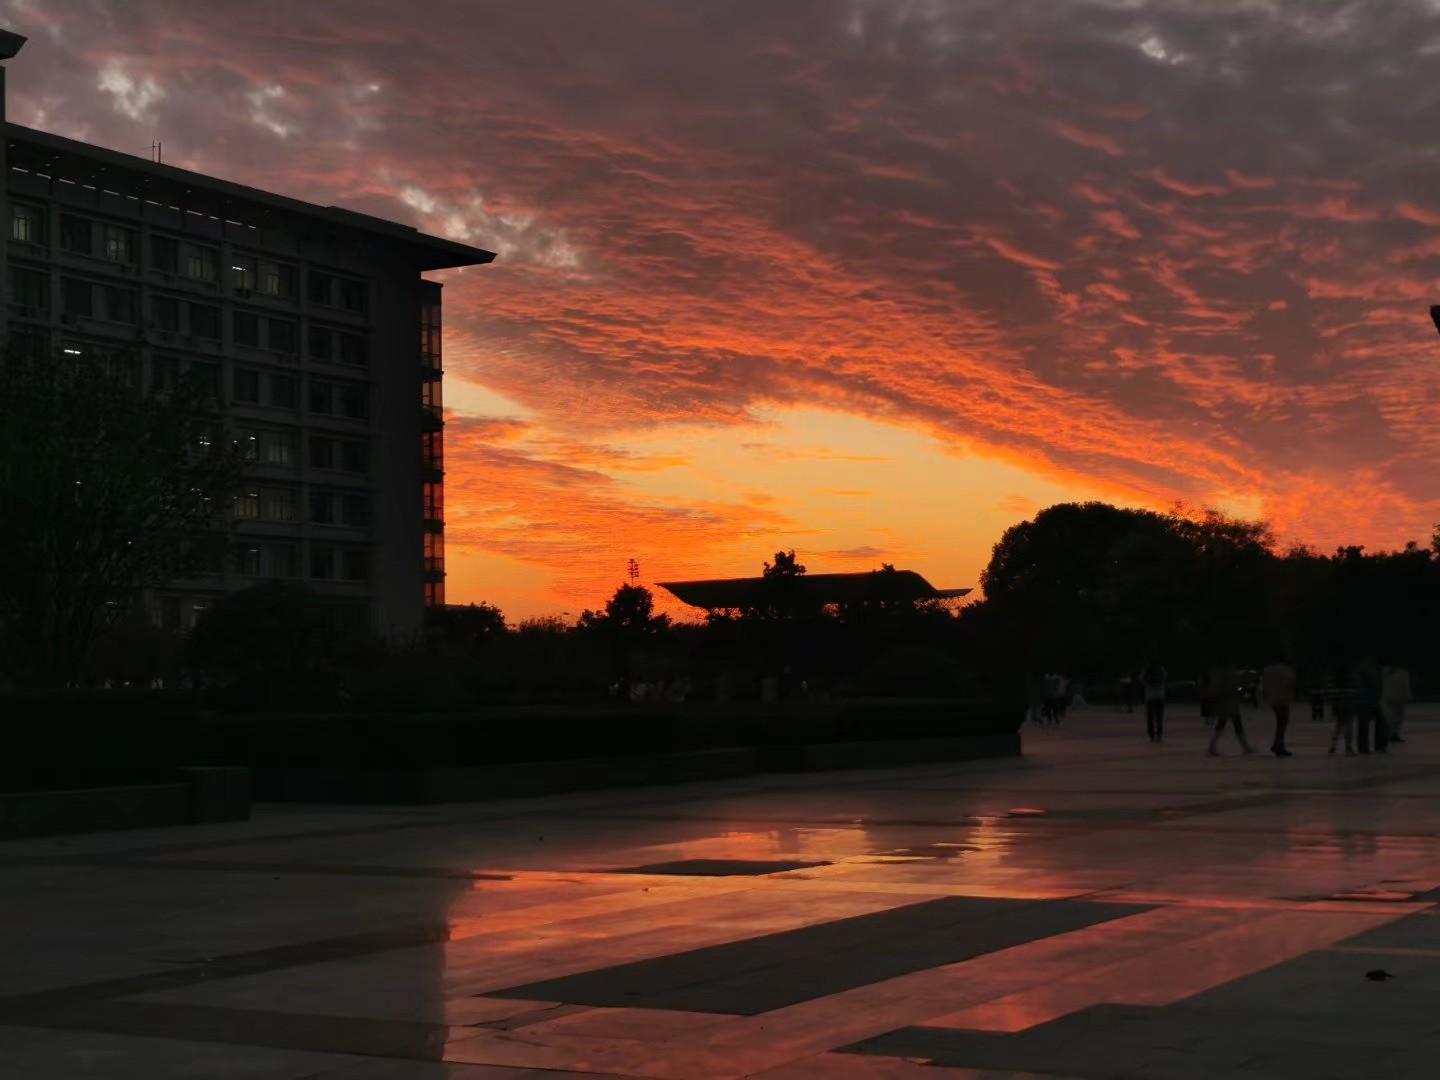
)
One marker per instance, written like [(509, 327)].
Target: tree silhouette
[(784, 566), (629, 612), (103, 492)]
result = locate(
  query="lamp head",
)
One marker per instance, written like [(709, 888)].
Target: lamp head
[(10, 44)]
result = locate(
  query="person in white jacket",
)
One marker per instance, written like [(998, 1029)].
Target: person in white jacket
[(1394, 693)]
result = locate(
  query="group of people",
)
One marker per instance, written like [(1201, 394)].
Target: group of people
[(1048, 697), (1366, 699)]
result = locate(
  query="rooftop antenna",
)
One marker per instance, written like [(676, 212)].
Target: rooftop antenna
[(633, 569), (157, 152)]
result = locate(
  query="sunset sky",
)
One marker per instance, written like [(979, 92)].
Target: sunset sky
[(873, 279)]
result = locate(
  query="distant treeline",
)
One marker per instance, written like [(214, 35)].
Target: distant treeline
[(1090, 590)]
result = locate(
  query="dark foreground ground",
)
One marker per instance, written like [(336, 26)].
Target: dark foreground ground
[(1102, 907)]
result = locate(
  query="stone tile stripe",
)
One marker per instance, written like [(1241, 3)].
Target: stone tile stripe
[(760, 974), (720, 867)]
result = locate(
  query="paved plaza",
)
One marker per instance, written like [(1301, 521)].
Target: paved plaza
[(1100, 908)]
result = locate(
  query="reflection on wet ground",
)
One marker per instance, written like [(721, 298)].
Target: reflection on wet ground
[(1100, 907)]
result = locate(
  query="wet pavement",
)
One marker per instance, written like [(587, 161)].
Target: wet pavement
[(1102, 907)]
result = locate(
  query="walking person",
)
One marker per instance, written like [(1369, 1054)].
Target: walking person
[(1225, 686), (1395, 692), (1152, 681), (1340, 693), (1277, 689), (1367, 707)]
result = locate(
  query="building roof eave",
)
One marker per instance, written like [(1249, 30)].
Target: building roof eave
[(136, 177)]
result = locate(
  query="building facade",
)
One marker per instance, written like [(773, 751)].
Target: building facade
[(311, 325)]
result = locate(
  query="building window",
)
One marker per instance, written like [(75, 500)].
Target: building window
[(119, 303), (119, 243), (205, 321), (200, 264), (282, 560), (354, 401), (321, 286), (279, 448), (277, 280), (168, 612), (247, 386), (247, 561), (29, 288), (76, 234), (322, 452), (353, 296), (322, 508), (282, 391), (165, 254), (247, 505), (248, 443), (164, 374), (165, 310), (355, 509), (205, 375), (282, 335), (76, 297), (27, 224), (352, 349), (279, 504), (322, 397), (247, 328), (319, 342), (355, 457), (242, 273), (355, 564), (322, 561)]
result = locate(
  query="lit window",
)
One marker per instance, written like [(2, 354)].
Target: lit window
[(119, 244), (279, 449), (279, 504), (242, 273), (201, 264), (277, 280), (247, 505), (27, 225)]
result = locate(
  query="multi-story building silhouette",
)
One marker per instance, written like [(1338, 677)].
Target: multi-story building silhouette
[(311, 324)]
